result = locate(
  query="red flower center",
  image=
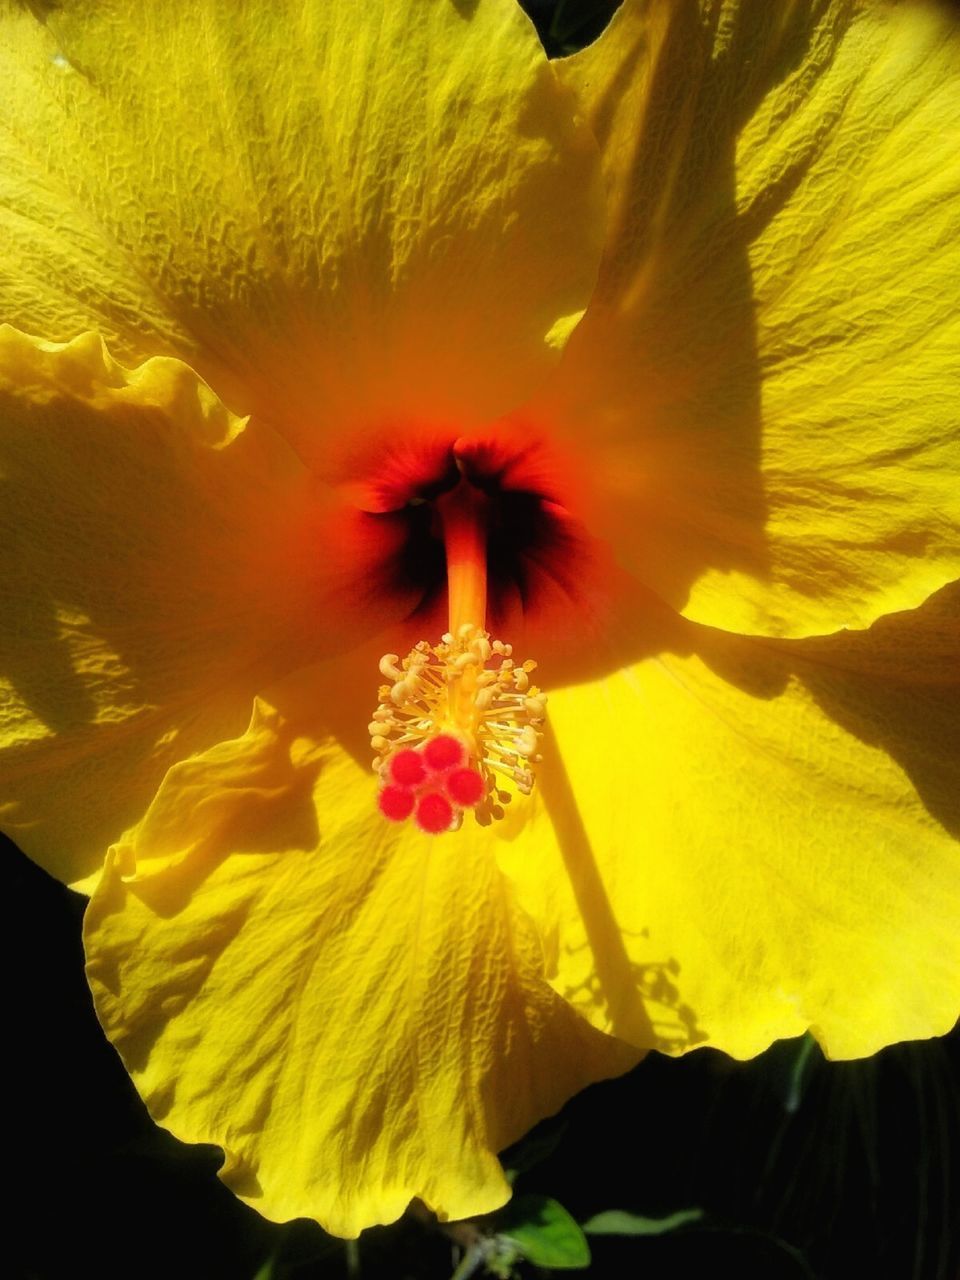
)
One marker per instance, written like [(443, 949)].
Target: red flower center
[(543, 570)]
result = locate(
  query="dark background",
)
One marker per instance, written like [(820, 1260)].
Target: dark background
[(801, 1168)]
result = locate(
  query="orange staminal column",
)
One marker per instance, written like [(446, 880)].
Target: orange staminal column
[(463, 516), (457, 726)]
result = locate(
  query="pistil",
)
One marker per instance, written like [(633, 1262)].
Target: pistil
[(457, 724)]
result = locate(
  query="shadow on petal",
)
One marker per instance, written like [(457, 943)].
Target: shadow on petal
[(622, 986), (897, 687)]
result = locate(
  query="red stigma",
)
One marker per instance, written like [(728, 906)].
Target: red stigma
[(406, 768), (434, 813), (433, 784), (396, 803), (443, 752), (465, 787)]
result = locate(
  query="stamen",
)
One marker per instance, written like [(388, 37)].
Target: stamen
[(457, 725), (460, 723)]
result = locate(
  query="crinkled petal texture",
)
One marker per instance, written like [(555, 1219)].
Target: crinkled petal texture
[(336, 212), (157, 564), (731, 841), (770, 368), (356, 1013), (758, 837)]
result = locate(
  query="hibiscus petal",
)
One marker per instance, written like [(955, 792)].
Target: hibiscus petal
[(155, 568), (769, 371), (335, 211), (758, 837), (356, 1013)]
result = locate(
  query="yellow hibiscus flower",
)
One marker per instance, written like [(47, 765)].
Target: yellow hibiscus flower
[(662, 343)]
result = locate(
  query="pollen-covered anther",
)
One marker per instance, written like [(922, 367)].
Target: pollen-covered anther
[(457, 727)]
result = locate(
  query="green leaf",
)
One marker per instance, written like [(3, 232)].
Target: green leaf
[(617, 1222), (544, 1233)]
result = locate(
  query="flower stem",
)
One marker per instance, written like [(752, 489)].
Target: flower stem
[(471, 1262)]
